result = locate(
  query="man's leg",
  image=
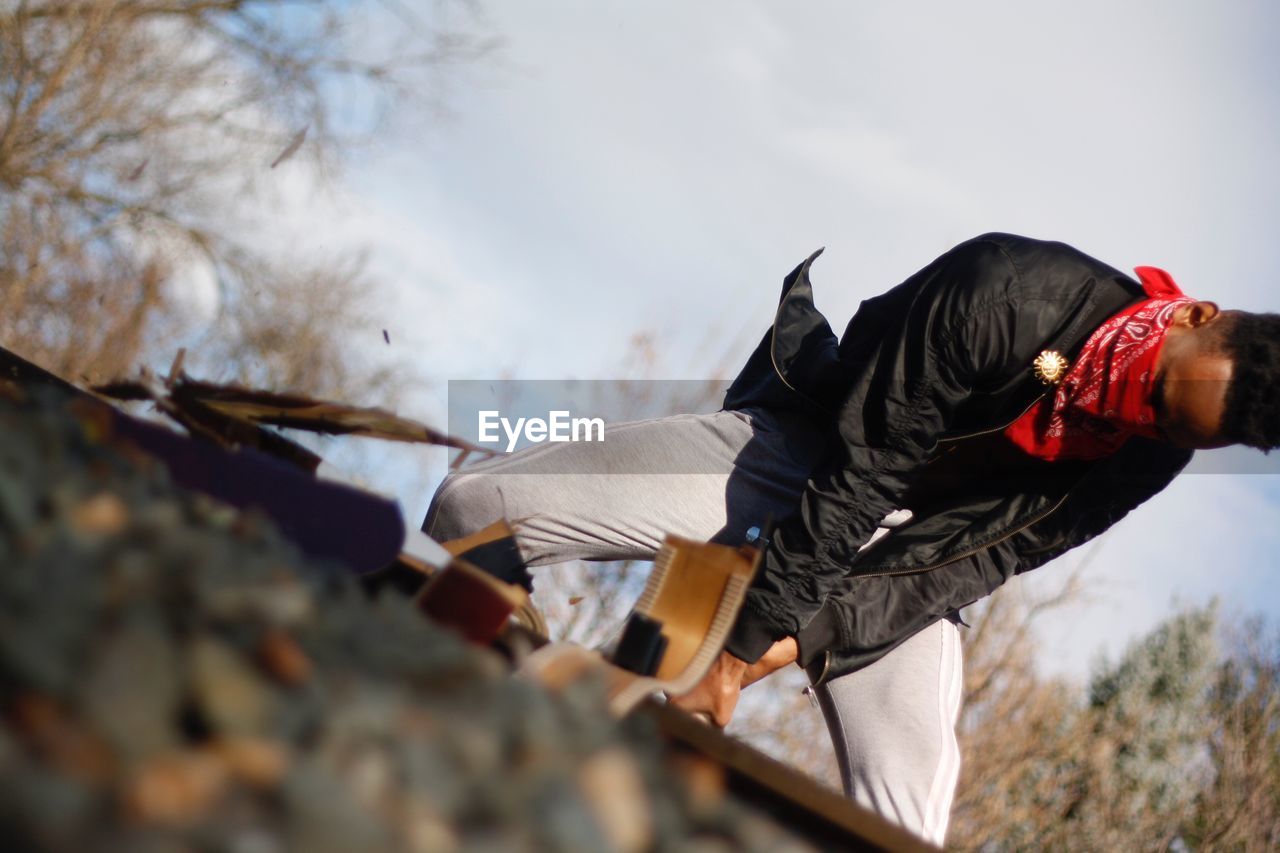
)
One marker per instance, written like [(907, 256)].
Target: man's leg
[(707, 476), (893, 728)]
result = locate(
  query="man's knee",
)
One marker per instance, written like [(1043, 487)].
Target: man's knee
[(464, 503)]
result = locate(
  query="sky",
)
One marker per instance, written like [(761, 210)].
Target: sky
[(657, 168)]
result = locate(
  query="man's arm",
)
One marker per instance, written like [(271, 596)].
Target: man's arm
[(873, 614), (779, 655)]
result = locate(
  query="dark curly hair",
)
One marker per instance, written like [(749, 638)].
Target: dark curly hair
[(1252, 412)]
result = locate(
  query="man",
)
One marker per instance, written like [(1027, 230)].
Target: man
[(1009, 402)]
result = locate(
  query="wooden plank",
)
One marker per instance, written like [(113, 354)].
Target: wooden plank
[(796, 800)]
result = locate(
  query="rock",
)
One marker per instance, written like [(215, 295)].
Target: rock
[(703, 778), (325, 818), (103, 514), (281, 601), (370, 778), (282, 657), (64, 742), (254, 840), (178, 789), (42, 808), (615, 790), (233, 699), (133, 692), (427, 832), (255, 762)]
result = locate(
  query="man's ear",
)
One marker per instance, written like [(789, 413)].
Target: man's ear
[(1199, 313)]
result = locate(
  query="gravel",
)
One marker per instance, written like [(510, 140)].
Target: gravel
[(175, 676)]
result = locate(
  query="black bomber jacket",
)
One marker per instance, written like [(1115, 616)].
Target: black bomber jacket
[(941, 358)]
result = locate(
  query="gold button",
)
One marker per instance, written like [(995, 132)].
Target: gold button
[(1050, 367)]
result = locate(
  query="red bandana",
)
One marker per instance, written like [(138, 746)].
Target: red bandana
[(1106, 395)]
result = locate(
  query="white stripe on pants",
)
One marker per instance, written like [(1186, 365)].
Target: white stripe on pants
[(893, 726)]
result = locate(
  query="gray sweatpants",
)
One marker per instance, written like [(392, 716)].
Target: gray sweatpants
[(711, 477)]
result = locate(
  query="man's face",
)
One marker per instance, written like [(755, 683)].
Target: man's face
[(1191, 380)]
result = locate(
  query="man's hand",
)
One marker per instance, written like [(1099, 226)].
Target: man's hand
[(716, 695), (780, 654)]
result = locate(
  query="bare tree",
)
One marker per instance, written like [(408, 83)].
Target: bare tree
[(1013, 725), (136, 141), (1174, 746), (1240, 810)]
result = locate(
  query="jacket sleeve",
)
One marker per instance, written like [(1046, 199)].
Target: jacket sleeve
[(1112, 488), (912, 377), (874, 614), (871, 615)]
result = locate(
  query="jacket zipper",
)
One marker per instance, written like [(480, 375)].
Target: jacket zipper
[(1029, 407)]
